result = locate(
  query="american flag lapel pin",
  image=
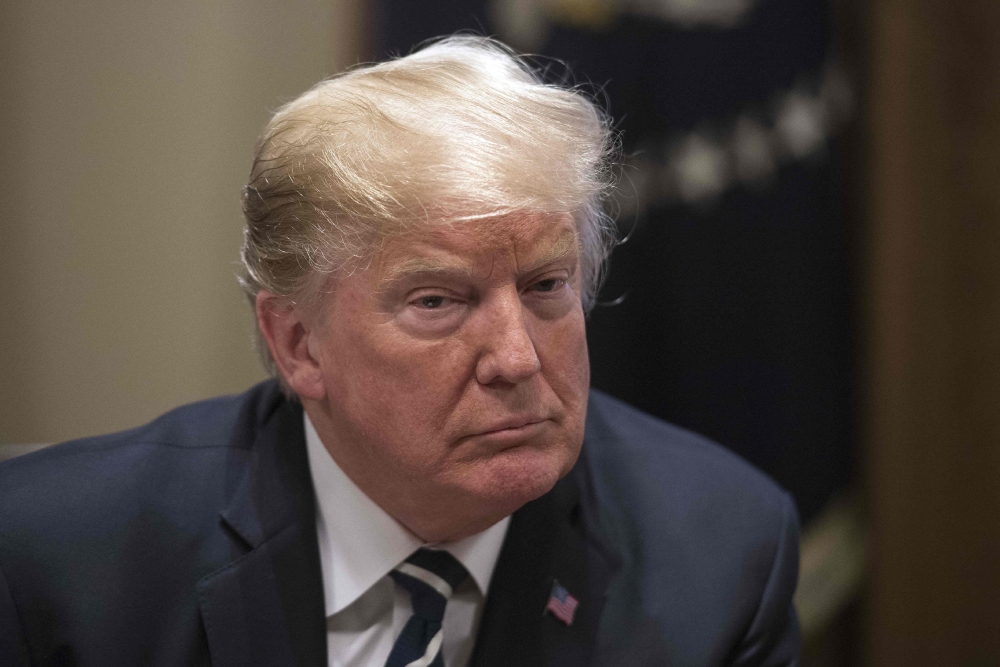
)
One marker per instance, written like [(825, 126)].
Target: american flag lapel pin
[(561, 603)]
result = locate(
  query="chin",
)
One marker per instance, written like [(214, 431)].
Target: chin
[(519, 475), (492, 489)]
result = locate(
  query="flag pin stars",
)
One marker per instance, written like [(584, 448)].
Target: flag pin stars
[(561, 603)]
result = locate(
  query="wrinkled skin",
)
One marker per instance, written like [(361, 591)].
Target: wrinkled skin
[(448, 378)]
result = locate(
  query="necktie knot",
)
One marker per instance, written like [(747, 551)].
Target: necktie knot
[(430, 577)]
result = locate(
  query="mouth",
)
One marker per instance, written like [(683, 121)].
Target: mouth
[(513, 428), (512, 424)]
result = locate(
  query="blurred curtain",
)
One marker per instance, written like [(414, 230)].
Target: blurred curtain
[(935, 348)]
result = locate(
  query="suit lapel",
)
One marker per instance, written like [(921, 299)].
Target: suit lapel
[(547, 541), (266, 607)]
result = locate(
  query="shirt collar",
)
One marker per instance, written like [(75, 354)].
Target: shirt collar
[(360, 543)]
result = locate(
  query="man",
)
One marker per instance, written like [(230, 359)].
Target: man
[(432, 482)]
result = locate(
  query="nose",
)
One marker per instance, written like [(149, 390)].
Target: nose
[(508, 351)]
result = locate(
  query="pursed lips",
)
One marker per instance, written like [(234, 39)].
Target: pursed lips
[(512, 424)]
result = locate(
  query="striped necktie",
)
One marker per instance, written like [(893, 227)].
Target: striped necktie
[(430, 577)]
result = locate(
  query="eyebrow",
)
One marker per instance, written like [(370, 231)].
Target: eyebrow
[(564, 247), (421, 266)]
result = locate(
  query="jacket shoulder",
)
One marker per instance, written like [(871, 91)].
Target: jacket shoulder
[(114, 531), (637, 448), (708, 543), (161, 469)]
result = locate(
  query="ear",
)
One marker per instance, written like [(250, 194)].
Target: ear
[(287, 330)]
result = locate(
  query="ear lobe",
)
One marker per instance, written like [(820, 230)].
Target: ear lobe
[(288, 336)]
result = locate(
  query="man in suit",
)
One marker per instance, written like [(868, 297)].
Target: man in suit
[(429, 480)]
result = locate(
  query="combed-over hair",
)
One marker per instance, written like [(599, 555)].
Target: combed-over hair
[(462, 129)]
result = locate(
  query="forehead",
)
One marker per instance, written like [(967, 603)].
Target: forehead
[(522, 241)]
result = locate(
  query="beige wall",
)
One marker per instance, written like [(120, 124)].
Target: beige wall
[(125, 134)]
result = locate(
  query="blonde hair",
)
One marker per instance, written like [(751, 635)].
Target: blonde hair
[(462, 129)]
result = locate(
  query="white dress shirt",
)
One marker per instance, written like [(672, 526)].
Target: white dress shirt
[(359, 544)]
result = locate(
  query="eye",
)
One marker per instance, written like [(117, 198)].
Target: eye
[(547, 285), (432, 312), (430, 302)]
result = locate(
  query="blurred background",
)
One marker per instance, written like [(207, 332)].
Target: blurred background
[(811, 274)]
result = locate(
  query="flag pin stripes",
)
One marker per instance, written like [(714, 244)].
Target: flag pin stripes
[(561, 603)]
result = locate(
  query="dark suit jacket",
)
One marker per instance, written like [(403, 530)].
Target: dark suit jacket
[(192, 540)]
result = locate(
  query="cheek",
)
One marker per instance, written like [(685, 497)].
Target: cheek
[(400, 394), (566, 369), (565, 361), (570, 380)]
